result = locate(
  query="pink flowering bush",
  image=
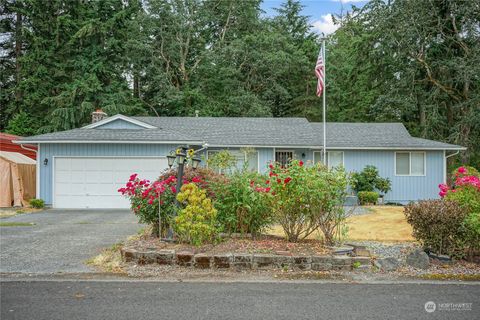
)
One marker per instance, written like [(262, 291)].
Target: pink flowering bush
[(144, 199), (466, 192)]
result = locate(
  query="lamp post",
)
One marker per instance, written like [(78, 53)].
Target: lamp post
[(180, 157)]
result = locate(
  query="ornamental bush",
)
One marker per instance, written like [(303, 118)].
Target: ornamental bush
[(206, 178), (439, 226), (369, 180), (37, 203), (144, 200), (367, 197), (306, 198), (243, 203), (196, 222), (466, 192)]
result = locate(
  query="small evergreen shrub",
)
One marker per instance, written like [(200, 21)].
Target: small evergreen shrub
[(369, 180), (37, 203), (196, 222), (367, 197)]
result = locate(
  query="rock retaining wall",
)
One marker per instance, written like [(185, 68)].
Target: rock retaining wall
[(245, 261)]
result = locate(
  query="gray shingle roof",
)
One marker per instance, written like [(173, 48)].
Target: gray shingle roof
[(373, 135), (274, 132), (223, 131)]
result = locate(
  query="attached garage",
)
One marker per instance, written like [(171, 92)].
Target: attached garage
[(92, 182)]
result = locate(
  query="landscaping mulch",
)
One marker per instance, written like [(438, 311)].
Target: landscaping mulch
[(265, 244)]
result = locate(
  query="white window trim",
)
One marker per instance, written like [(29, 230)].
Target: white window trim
[(218, 150), (410, 164), (328, 156)]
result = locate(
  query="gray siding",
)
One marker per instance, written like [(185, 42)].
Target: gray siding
[(404, 188)]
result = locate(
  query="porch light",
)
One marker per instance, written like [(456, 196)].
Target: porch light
[(45, 162), (181, 157), (195, 162), (171, 160)]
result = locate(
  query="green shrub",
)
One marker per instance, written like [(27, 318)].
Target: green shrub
[(306, 198), (37, 203), (367, 197), (439, 226), (222, 161), (369, 180), (196, 222), (241, 207)]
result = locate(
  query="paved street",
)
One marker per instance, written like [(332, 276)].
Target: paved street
[(61, 240), (167, 300)]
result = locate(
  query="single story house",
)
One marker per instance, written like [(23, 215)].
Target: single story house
[(83, 168)]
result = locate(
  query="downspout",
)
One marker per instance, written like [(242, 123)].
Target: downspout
[(445, 157), (23, 147)]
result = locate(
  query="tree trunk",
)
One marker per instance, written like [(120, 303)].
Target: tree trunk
[(18, 54), (136, 85)]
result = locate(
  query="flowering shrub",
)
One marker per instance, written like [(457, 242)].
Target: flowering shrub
[(243, 203), (306, 198), (204, 177), (196, 222), (466, 192), (144, 200)]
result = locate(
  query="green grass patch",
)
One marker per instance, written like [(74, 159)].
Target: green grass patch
[(16, 224)]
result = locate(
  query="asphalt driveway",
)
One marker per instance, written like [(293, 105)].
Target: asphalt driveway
[(61, 240)]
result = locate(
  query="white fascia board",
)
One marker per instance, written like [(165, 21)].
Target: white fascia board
[(119, 117), (109, 141), (395, 148)]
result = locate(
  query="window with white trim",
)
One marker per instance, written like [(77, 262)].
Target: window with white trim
[(334, 158), (242, 157), (410, 163)]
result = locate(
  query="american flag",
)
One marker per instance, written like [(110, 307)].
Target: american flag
[(320, 73)]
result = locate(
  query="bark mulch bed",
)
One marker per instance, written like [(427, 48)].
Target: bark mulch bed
[(264, 244)]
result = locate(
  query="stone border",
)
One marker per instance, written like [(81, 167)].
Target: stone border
[(244, 261)]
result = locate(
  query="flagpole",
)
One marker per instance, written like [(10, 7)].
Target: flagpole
[(324, 104)]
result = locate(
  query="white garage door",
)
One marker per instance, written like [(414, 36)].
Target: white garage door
[(93, 182)]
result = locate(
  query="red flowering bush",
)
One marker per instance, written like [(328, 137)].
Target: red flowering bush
[(306, 198), (206, 177), (146, 197)]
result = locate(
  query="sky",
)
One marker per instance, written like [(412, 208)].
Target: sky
[(320, 11)]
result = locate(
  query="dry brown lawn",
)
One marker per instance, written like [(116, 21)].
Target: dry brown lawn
[(384, 223)]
